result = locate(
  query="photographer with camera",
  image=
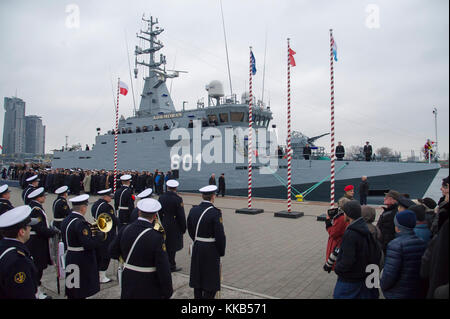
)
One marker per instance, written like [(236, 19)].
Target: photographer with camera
[(335, 225)]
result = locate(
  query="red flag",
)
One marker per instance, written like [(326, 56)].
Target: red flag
[(291, 57), (123, 88)]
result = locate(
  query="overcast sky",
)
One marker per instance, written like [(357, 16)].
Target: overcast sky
[(393, 63)]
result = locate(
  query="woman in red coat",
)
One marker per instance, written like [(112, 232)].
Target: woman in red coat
[(335, 227)]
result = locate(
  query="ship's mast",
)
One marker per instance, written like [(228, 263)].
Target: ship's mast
[(155, 96)]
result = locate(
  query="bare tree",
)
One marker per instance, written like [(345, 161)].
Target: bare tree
[(353, 151), (384, 152)]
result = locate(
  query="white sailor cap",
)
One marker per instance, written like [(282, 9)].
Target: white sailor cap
[(172, 183), (4, 189), (125, 177), (145, 193), (61, 190), (208, 189), (105, 192), (32, 178), (149, 205), (37, 193), (80, 200), (17, 216)]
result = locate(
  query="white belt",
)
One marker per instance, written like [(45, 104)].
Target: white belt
[(58, 219), (121, 207), (75, 248), (205, 240), (33, 232), (139, 269)]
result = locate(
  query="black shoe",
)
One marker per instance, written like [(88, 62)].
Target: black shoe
[(175, 269)]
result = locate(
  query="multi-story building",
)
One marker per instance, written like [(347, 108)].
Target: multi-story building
[(34, 135), (21, 134), (14, 126)]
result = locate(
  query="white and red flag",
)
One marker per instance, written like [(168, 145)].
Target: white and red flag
[(123, 88)]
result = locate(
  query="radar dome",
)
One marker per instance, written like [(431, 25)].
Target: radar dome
[(215, 89)]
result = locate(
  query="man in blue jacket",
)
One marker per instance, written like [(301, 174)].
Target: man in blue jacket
[(401, 274)]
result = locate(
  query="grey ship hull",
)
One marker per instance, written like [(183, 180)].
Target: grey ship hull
[(150, 150)]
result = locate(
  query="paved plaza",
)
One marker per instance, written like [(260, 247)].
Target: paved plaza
[(266, 256)]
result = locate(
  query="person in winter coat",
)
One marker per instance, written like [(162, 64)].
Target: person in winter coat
[(87, 183), (401, 274), (368, 214), (429, 205), (358, 250), (386, 220), (348, 196), (421, 230), (335, 227), (363, 190)]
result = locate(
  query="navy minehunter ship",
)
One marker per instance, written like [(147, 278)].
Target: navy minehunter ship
[(149, 140)]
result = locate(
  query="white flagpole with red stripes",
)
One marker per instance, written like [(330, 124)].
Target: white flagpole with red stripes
[(115, 135), (332, 121), (250, 126), (289, 153)]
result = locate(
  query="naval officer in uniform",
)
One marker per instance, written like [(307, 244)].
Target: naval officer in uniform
[(5, 195), (60, 206), (173, 220), (146, 193), (80, 244), (123, 201), (33, 183), (19, 278), (146, 271), (205, 227), (41, 233), (102, 206)]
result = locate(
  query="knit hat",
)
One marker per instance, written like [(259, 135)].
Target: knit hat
[(405, 220), (348, 188), (393, 194), (419, 210), (368, 213), (352, 209)]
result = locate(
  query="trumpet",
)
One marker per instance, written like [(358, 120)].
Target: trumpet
[(104, 223), (159, 227)]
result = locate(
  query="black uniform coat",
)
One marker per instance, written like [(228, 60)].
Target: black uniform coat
[(149, 251), (27, 191), (60, 211), (99, 207), (5, 205), (38, 244), (79, 235), (18, 274), (173, 220), (205, 261), (122, 198)]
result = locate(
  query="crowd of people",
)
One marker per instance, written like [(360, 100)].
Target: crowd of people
[(408, 246)]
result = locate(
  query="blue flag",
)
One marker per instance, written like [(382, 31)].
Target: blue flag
[(253, 63)]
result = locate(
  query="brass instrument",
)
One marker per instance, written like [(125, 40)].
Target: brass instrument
[(159, 227), (104, 223)]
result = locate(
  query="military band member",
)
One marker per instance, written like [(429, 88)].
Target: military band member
[(5, 195), (60, 206), (80, 244), (205, 227), (17, 271), (33, 183), (146, 193), (173, 220), (123, 201), (40, 236), (146, 271), (102, 206)]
